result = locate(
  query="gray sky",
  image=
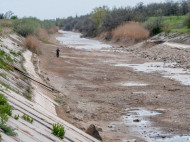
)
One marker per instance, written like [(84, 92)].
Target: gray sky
[(51, 9)]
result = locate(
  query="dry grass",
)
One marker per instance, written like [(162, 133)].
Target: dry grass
[(53, 30), (131, 30), (5, 23), (32, 43), (43, 34)]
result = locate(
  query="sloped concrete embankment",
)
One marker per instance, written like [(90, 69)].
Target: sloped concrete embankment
[(41, 108)]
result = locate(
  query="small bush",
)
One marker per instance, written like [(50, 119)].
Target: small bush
[(14, 53), (4, 118), (16, 117), (4, 66), (32, 43), (28, 118), (7, 130), (27, 26), (187, 21), (5, 108), (58, 130), (155, 26), (4, 55), (43, 34)]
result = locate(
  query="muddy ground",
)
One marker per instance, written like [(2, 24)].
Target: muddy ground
[(92, 87)]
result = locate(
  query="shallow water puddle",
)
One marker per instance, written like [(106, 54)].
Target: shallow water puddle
[(74, 40), (138, 120), (175, 139), (139, 123), (167, 69), (133, 84)]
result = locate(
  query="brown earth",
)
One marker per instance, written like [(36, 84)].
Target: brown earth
[(91, 86)]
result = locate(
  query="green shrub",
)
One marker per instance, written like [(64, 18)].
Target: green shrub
[(3, 75), (7, 130), (27, 26), (4, 66), (58, 130), (19, 53), (4, 118), (155, 26), (3, 101), (31, 26), (5, 56), (16, 117), (13, 53), (5, 108), (1, 30), (28, 118), (187, 21)]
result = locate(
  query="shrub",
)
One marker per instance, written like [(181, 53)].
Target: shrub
[(58, 130), (32, 43), (155, 26), (43, 34), (132, 30), (7, 130), (16, 117), (5, 110), (4, 118), (28, 118), (4, 66), (27, 26), (6, 56), (31, 26), (187, 21)]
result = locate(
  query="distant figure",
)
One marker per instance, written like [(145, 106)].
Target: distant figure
[(57, 52)]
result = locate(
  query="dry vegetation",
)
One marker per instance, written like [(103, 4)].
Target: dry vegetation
[(32, 43), (132, 30), (53, 30), (43, 34)]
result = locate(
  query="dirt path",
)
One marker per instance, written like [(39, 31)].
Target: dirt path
[(100, 92)]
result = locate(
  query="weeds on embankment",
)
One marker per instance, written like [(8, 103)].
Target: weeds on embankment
[(131, 30), (28, 118), (58, 130), (34, 30), (32, 43), (5, 111)]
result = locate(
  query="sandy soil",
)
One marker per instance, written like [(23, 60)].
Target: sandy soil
[(91, 84)]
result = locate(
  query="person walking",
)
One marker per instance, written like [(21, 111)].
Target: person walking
[(57, 52)]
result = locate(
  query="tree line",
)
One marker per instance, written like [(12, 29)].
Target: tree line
[(104, 19)]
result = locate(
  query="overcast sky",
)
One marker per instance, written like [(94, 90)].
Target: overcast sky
[(51, 9)]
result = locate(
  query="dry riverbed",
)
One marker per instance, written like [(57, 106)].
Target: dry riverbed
[(127, 96)]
